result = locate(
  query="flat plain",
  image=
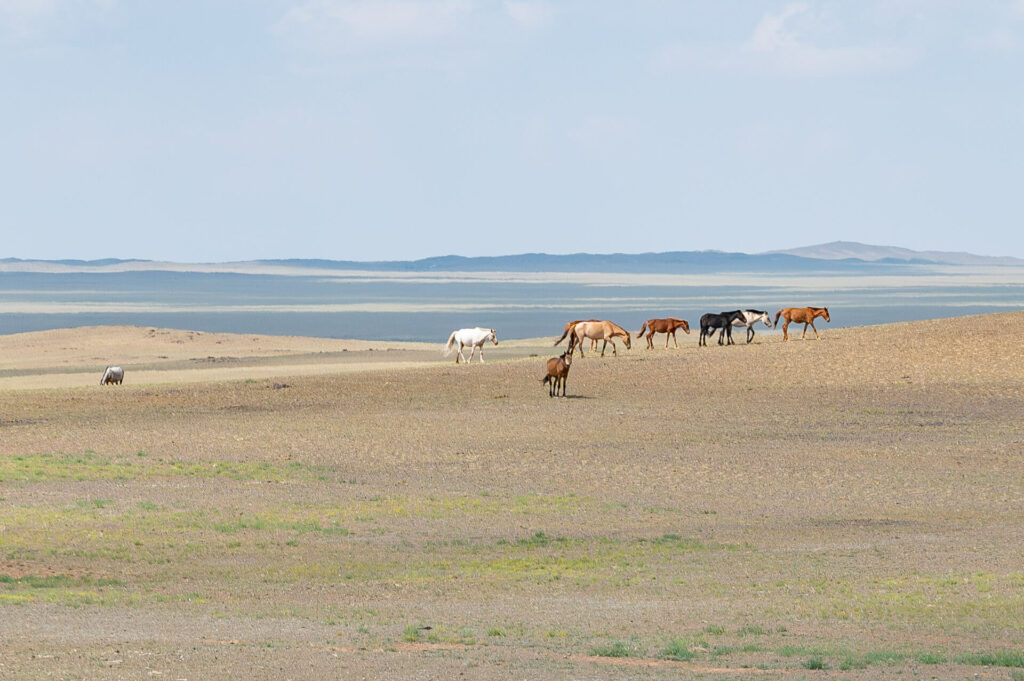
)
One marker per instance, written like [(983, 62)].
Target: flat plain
[(269, 507)]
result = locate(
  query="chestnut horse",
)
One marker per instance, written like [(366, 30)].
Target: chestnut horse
[(800, 315), (606, 331), (666, 326)]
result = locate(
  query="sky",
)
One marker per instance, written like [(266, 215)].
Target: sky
[(221, 130)]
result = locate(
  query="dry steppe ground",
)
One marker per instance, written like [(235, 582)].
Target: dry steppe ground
[(260, 507)]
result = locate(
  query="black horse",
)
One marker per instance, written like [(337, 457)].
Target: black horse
[(709, 322)]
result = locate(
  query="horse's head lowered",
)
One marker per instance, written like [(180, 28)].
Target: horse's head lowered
[(825, 314), (493, 337)]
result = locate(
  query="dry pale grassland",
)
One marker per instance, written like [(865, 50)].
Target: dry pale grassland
[(304, 508)]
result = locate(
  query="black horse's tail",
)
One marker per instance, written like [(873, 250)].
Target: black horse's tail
[(776, 322)]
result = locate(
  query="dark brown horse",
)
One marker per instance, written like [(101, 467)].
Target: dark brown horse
[(800, 315), (666, 326), (558, 373)]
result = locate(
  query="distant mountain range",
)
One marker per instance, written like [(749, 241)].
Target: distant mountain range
[(838, 255)]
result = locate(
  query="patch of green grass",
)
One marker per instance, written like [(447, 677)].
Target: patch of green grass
[(1000, 658), (677, 649), (92, 466), (714, 629), (814, 663), (57, 581)]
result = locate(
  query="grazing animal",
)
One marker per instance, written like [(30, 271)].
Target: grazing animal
[(723, 320), (666, 326), (568, 331), (112, 375), (751, 317), (606, 331), (558, 373), (475, 338), (800, 315)]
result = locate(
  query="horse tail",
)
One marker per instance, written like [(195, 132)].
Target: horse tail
[(568, 330), (643, 328), (545, 380), (777, 315), (451, 343)]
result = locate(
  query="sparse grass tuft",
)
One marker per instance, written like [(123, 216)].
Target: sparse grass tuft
[(614, 649)]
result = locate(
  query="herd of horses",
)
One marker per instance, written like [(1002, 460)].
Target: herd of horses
[(596, 330)]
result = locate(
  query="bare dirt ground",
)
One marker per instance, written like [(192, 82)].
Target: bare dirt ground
[(275, 508)]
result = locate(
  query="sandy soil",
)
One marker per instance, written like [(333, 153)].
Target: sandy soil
[(850, 507)]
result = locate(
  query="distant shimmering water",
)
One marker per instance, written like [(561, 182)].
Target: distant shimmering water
[(386, 306)]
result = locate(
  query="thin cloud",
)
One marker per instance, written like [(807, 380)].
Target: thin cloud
[(530, 15), (784, 42), (377, 21)]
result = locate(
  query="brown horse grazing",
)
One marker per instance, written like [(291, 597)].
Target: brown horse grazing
[(606, 331), (800, 315), (558, 373), (568, 330), (666, 326)]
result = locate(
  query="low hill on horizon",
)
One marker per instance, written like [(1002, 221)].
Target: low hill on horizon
[(843, 255), (847, 250)]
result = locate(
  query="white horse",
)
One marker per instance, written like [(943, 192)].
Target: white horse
[(112, 375), (751, 317), (475, 338)]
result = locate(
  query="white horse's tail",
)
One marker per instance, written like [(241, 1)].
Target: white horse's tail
[(451, 344)]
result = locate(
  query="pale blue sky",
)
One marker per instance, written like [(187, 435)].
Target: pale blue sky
[(238, 129)]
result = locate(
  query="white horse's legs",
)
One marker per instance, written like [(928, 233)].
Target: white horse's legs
[(461, 345)]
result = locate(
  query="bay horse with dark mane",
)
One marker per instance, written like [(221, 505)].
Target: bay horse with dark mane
[(800, 315), (667, 326), (723, 320), (558, 372)]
